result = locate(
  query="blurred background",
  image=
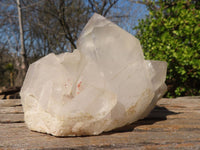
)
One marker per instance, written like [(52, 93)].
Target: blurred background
[(169, 30)]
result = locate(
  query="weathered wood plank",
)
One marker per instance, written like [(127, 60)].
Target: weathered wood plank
[(10, 103), (11, 118), (174, 124), (21, 137), (11, 110)]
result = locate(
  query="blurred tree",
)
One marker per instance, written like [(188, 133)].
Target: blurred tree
[(10, 68), (7, 70), (49, 26), (102, 7), (55, 25), (171, 33), (24, 65)]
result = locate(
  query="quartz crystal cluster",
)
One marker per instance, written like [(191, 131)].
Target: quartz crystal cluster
[(104, 84)]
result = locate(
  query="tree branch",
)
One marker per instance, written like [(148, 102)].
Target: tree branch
[(111, 5), (148, 3)]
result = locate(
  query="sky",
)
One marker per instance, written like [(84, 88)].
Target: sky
[(133, 10), (136, 12)]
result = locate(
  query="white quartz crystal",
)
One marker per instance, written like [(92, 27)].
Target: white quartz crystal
[(103, 85)]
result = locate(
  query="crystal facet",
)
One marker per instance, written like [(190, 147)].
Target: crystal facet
[(103, 85)]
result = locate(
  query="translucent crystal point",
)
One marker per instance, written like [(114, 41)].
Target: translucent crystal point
[(103, 85)]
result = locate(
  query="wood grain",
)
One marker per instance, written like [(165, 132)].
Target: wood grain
[(173, 124)]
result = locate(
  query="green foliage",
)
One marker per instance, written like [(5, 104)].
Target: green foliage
[(9, 67), (172, 33)]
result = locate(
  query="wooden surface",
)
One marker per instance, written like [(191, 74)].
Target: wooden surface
[(173, 124)]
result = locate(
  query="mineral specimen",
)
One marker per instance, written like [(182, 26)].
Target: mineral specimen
[(103, 85)]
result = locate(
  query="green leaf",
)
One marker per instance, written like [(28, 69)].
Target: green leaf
[(197, 29), (173, 34)]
